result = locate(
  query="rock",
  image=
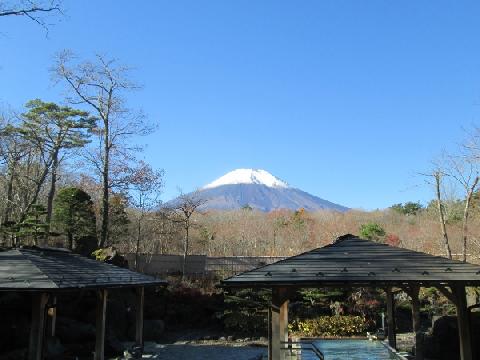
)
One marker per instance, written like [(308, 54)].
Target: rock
[(113, 346), (262, 338), (134, 352), (222, 338), (153, 329), (15, 354), (230, 338), (247, 339), (71, 331), (54, 347), (443, 344)]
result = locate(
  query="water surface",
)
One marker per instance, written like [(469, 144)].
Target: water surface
[(351, 350)]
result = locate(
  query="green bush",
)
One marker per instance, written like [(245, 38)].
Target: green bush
[(372, 231), (339, 325), (245, 322), (244, 311)]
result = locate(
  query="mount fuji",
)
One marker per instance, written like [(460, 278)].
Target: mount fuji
[(259, 190)]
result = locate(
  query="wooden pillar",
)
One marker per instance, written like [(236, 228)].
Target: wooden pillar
[(35, 346), (52, 317), (270, 355), (284, 326), (278, 324), (140, 299), (413, 292), (392, 336), (463, 319), (100, 324)]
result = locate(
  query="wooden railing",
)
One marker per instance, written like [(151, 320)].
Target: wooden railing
[(291, 346)]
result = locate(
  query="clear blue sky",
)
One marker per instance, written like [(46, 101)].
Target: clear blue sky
[(347, 100)]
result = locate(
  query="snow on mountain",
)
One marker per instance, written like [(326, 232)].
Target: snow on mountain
[(259, 190), (248, 176)]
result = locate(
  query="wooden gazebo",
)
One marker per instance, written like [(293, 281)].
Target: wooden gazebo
[(45, 272), (354, 262)]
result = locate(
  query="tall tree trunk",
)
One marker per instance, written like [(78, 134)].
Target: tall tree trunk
[(106, 188), (137, 247), (9, 200), (53, 188), (51, 193), (36, 192), (437, 176), (185, 250), (466, 213), (10, 179), (70, 240)]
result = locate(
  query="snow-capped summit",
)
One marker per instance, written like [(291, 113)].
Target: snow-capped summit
[(248, 176), (257, 189)]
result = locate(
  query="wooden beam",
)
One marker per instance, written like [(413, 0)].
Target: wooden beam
[(278, 323), (140, 299), (270, 355), (413, 291), (463, 319), (392, 336), (37, 328), (52, 317), (284, 326), (100, 324)]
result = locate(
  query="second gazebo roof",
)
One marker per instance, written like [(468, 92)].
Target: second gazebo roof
[(354, 261)]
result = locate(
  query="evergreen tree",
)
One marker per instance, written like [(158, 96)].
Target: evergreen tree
[(34, 226), (51, 129), (74, 216)]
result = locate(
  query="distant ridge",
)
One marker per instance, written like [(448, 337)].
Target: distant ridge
[(259, 190)]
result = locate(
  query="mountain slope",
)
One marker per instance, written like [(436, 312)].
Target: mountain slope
[(260, 190), (264, 198)]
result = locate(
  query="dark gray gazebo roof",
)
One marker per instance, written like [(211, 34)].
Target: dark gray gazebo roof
[(354, 261), (35, 269)]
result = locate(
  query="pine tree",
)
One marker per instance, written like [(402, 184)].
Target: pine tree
[(73, 215)]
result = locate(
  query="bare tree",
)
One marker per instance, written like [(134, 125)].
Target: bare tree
[(100, 86), (441, 211), (438, 174), (465, 171), (36, 11), (145, 186), (13, 149), (181, 212)]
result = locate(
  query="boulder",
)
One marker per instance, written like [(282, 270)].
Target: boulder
[(443, 343), (54, 347), (72, 331), (153, 329)]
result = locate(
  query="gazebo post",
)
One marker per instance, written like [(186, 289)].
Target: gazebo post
[(140, 299), (392, 336), (100, 324), (278, 325), (413, 291), (52, 317), (284, 326), (35, 347), (463, 320)]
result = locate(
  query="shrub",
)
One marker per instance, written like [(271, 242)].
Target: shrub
[(339, 325), (392, 239), (372, 231)]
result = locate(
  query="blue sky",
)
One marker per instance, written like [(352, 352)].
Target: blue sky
[(347, 100)]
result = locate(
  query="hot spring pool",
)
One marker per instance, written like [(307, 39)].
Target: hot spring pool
[(351, 350)]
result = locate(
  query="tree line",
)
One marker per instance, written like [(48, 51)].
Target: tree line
[(82, 147)]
